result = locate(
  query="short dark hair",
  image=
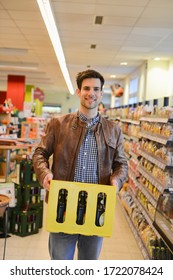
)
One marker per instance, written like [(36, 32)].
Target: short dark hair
[(88, 74)]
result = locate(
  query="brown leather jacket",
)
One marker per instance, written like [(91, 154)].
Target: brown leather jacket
[(63, 138)]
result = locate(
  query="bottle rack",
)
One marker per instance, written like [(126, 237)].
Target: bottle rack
[(69, 224), (27, 174), (29, 202), (31, 195), (25, 223)]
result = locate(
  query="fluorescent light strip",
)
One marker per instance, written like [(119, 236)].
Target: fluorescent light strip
[(46, 11)]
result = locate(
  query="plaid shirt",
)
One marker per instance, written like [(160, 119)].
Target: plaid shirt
[(86, 170)]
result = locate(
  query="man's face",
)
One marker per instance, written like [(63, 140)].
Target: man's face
[(90, 94)]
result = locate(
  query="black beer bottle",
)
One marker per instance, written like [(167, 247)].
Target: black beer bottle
[(101, 201), (81, 209), (61, 207)]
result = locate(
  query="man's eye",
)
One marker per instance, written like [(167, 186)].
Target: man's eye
[(88, 89)]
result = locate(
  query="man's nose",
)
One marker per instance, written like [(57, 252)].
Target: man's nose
[(91, 91)]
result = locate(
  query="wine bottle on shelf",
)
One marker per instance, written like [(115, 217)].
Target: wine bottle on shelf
[(61, 207), (155, 107), (81, 209), (166, 101)]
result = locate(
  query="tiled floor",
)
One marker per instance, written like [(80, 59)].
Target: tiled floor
[(120, 246)]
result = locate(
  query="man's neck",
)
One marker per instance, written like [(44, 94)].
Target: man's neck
[(89, 114), (90, 122)]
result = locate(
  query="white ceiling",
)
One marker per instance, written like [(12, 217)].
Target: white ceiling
[(132, 30)]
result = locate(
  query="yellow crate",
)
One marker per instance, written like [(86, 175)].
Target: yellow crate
[(69, 225)]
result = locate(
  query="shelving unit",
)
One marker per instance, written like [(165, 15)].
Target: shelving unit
[(33, 128), (136, 234), (144, 186)]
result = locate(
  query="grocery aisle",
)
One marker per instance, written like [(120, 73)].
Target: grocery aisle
[(120, 246)]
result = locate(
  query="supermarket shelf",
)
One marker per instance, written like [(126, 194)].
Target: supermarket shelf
[(156, 119), (148, 195), (139, 241), (136, 122), (157, 161), (146, 215), (153, 180), (157, 138)]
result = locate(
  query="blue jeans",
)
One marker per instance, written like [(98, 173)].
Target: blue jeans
[(62, 246)]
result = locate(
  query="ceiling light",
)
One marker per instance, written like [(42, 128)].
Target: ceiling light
[(98, 19), (157, 58), (49, 20), (18, 65), (93, 46), (112, 76), (123, 63)]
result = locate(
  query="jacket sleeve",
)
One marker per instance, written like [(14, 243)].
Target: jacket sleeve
[(120, 167), (43, 152)]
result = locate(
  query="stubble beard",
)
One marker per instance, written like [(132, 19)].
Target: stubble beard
[(89, 107)]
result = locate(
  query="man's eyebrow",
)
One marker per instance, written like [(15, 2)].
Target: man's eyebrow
[(91, 87)]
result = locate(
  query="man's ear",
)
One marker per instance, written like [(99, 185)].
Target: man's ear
[(78, 91)]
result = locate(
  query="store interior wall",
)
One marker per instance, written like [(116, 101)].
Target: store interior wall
[(140, 73), (67, 101), (142, 82), (157, 79), (155, 82)]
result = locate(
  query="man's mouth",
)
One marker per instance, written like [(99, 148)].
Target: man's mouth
[(90, 100)]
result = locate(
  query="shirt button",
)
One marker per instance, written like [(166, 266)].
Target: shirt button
[(83, 167), (85, 154)]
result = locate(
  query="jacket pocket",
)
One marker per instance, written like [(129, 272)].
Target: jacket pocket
[(112, 143)]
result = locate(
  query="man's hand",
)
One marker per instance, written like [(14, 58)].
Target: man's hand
[(46, 181), (115, 183)]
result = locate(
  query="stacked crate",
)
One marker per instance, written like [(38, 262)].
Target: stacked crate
[(28, 214)]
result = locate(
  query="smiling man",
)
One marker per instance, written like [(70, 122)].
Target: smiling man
[(90, 94), (86, 148)]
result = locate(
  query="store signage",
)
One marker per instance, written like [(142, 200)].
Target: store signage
[(39, 94)]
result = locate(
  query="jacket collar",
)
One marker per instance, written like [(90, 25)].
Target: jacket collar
[(78, 122)]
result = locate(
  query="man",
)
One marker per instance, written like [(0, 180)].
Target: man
[(86, 148)]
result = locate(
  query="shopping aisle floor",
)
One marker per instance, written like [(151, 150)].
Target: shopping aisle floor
[(120, 246)]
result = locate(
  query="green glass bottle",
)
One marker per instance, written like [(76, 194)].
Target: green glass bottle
[(81, 209), (61, 207), (100, 211)]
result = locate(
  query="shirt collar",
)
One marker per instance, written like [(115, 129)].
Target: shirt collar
[(92, 122)]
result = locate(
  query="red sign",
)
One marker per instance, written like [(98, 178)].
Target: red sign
[(38, 94)]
